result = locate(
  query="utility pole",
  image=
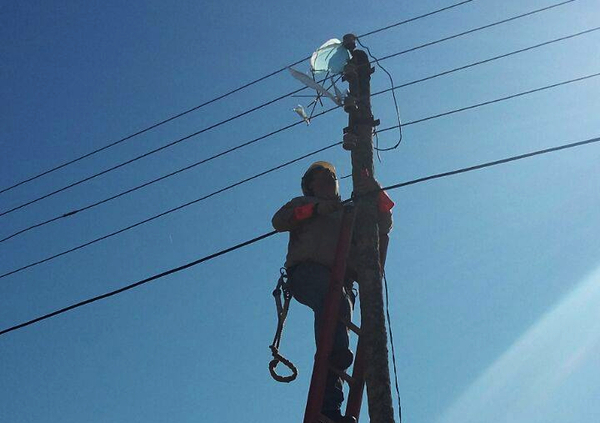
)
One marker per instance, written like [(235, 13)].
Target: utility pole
[(358, 138)]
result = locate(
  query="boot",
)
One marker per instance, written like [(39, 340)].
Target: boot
[(341, 359), (337, 417)]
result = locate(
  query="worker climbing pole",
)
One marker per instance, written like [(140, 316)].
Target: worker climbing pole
[(358, 138), (332, 244)]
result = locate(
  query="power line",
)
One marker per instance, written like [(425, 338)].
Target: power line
[(136, 284), (497, 100), (385, 28), (269, 234), (396, 109), (494, 163), (413, 82), (178, 115), (503, 21), (97, 203), (172, 143), (491, 59), (389, 322), (197, 200), (283, 165), (141, 156)]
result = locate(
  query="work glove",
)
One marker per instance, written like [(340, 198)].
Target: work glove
[(324, 207)]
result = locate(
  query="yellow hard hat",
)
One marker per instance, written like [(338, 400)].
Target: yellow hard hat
[(311, 168), (321, 164)]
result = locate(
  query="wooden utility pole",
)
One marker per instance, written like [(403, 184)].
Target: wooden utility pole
[(358, 137)]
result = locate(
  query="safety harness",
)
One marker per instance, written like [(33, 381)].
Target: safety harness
[(283, 297)]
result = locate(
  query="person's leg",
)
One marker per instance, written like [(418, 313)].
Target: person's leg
[(309, 283)]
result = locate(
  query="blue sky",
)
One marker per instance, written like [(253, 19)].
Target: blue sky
[(493, 274)]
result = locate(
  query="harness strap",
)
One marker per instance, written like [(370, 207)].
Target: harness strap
[(281, 290)]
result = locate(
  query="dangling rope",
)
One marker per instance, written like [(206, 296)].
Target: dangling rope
[(282, 296)]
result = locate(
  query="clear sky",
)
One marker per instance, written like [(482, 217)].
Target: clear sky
[(494, 275)]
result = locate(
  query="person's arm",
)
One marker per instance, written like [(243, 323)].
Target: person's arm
[(384, 206), (300, 209), (368, 184), (293, 213)]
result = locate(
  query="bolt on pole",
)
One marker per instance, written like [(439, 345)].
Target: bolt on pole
[(358, 138)]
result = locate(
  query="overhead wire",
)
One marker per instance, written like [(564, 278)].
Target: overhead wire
[(377, 148), (213, 100), (193, 165), (286, 164), (497, 100), (480, 28), (174, 209), (170, 144), (389, 322), (269, 234), (443, 9), (491, 59), (138, 283), (141, 156)]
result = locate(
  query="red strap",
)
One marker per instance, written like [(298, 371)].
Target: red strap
[(385, 203), (304, 212)]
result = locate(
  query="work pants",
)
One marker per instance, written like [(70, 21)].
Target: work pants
[(309, 284)]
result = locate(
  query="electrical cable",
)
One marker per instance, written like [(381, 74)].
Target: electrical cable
[(503, 21), (286, 164), (97, 203), (141, 156), (443, 9), (269, 234), (377, 61), (491, 59), (377, 149), (437, 75), (197, 200), (494, 163), (138, 283), (497, 100), (156, 125), (389, 321), (256, 108)]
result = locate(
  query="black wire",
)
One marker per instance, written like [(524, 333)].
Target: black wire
[(415, 18), (168, 211), (497, 100), (285, 164), (156, 150), (503, 21), (136, 284), (258, 107), (89, 206), (395, 102), (494, 163), (587, 31), (491, 59), (156, 125), (389, 320), (268, 234)]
